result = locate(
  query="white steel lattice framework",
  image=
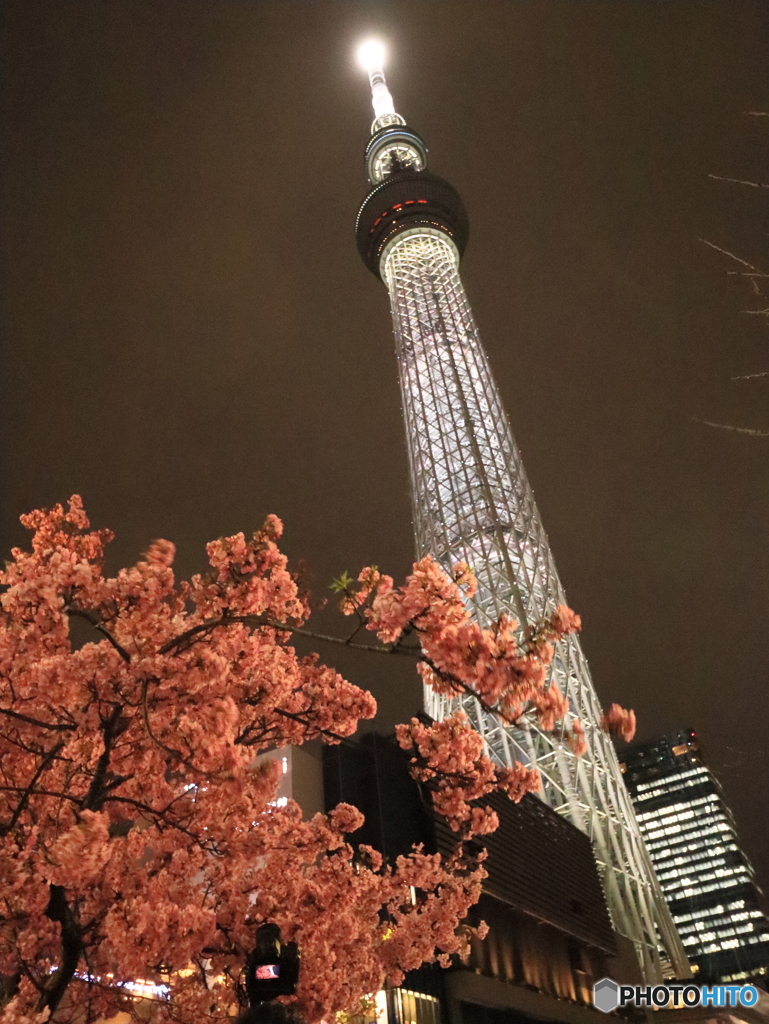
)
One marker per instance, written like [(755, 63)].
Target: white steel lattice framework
[(472, 502)]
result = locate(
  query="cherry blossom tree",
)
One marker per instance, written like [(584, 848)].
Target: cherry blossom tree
[(142, 846)]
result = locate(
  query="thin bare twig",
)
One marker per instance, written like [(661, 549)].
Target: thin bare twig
[(751, 376), (727, 253), (735, 430), (739, 181)]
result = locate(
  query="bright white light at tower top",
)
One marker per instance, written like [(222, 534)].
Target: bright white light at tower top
[(371, 54), (371, 57)]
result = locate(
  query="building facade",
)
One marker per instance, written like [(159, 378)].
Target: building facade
[(707, 880), (550, 936)]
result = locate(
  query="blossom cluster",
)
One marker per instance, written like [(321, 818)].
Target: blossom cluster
[(140, 836), (449, 756), (619, 722), (507, 676)]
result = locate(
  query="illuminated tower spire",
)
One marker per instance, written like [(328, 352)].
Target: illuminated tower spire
[(372, 57), (473, 503)]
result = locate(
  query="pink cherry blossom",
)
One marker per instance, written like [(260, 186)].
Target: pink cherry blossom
[(577, 739), (620, 722), (141, 839)]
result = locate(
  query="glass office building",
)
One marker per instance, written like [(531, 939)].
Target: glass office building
[(707, 880)]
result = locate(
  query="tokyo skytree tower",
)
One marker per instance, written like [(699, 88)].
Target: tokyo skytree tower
[(472, 502)]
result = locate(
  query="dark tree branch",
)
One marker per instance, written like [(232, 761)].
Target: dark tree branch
[(303, 721), (257, 621), (53, 726), (71, 949), (111, 729), (100, 628), (9, 986), (176, 754), (21, 805), (44, 792)]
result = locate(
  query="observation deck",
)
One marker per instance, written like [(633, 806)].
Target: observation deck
[(404, 200)]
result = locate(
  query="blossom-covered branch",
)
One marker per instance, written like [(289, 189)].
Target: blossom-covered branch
[(137, 830), (140, 836)]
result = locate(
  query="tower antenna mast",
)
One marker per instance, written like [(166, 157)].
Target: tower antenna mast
[(371, 56)]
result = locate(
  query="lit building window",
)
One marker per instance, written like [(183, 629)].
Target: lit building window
[(693, 845), (413, 1007)]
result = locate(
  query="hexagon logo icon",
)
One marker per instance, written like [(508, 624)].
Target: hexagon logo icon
[(606, 995)]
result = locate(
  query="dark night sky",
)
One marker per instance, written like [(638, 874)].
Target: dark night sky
[(191, 341)]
